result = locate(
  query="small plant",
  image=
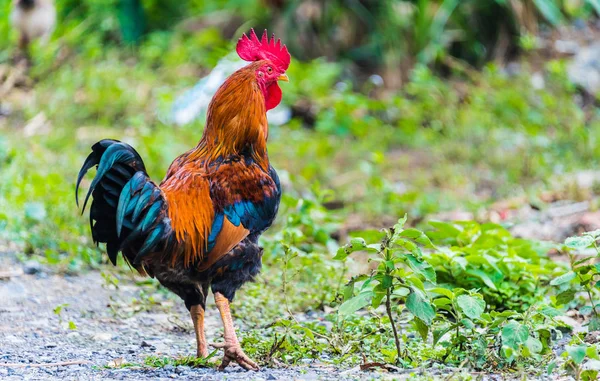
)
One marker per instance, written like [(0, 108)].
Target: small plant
[(583, 252), (575, 356), (399, 278), (110, 281), (58, 312), (511, 273), (192, 361)]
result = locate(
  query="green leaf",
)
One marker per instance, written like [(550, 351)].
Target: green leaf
[(579, 243), (422, 267), (582, 270), (589, 375), (352, 305), (438, 302), (419, 306), (377, 298), (444, 230), (467, 323), (585, 310), (550, 312), (421, 327), (471, 306), (594, 324), (58, 309), (401, 291), (508, 352), (442, 291), (460, 262), (438, 333), (406, 244), (389, 265), (549, 10), (514, 334), (417, 236), (484, 277), (386, 281), (534, 345), (582, 261), (400, 224), (565, 297), (72, 326), (356, 244), (596, 5), (341, 254), (415, 281), (592, 352), (348, 291), (577, 353), (550, 367), (565, 278)]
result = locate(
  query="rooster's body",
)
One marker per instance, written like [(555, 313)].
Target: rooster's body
[(199, 228)]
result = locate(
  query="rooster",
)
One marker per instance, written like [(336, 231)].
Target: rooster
[(199, 228), (33, 19)]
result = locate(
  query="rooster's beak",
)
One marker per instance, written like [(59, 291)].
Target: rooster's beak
[(283, 77)]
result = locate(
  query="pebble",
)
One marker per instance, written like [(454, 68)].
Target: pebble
[(32, 267), (566, 46), (584, 68), (103, 336), (182, 369), (5, 110), (580, 24)]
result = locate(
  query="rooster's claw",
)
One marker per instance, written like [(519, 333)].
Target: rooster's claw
[(234, 352)]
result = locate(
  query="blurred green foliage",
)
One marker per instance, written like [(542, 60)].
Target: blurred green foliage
[(435, 145)]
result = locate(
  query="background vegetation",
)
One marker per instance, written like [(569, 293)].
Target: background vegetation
[(399, 108)]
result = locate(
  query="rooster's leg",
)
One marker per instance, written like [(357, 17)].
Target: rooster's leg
[(231, 346), (197, 313)]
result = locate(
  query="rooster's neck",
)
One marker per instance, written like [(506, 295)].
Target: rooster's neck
[(236, 121)]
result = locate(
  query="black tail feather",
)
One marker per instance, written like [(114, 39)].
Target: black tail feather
[(128, 211)]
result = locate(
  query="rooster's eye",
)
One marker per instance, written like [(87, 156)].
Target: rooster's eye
[(269, 69)]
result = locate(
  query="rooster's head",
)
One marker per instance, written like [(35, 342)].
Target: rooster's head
[(272, 60)]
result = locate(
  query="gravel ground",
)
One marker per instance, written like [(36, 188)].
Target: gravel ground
[(31, 333)]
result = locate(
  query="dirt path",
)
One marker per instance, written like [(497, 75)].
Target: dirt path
[(32, 333)]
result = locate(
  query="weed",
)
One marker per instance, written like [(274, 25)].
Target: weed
[(192, 361)]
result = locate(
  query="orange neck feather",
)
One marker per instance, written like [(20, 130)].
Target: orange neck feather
[(236, 120)]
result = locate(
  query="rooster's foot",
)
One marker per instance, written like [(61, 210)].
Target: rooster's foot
[(234, 352)]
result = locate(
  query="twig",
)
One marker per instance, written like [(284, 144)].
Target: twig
[(463, 67), (10, 274), (382, 365), (388, 308), (11, 80), (569, 209), (64, 363)]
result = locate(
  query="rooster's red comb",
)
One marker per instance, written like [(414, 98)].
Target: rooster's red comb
[(253, 49)]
